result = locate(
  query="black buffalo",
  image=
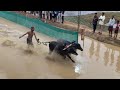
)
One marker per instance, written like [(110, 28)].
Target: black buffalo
[(74, 45), (60, 44)]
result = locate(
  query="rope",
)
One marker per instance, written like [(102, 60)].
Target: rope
[(44, 43)]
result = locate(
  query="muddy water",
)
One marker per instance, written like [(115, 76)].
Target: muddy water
[(98, 60)]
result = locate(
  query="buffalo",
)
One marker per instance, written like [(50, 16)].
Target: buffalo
[(60, 44)]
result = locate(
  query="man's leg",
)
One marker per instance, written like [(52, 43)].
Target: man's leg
[(116, 35), (30, 43), (95, 28), (111, 32), (99, 29), (62, 19)]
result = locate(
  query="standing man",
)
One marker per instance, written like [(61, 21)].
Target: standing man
[(101, 22), (58, 16), (55, 15), (50, 15), (62, 17), (30, 36), (110, 25), (116, 29), (95, 20), (40, 14)]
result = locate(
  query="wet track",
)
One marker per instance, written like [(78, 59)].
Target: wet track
[(98, 60)]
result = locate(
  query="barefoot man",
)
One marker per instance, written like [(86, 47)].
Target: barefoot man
[(30, 35)]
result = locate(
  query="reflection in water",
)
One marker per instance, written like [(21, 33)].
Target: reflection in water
[(112, 57), (78, 68), (106, 57), (91, 50), (118, 63), (81, 54), (97, 51), (63, 68)]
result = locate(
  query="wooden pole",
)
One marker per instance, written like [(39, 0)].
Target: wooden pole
[(82, 31), (78, 24), (78, 21)]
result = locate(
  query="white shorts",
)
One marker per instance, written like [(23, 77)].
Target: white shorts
[(101, 23)]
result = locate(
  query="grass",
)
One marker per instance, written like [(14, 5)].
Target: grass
[(87, 19)]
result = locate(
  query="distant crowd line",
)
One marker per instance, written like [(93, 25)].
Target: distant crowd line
[(55, 16)]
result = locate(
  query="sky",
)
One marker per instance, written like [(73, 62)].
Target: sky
[(75, 13)]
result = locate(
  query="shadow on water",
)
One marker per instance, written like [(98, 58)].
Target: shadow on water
[(106, 57), (118, 63), (97, 51), (91, 49), (112, 57), (63, 67)]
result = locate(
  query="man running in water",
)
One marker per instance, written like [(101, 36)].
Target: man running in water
[(30, 35)]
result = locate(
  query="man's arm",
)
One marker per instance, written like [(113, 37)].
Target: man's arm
[(23, 35), (36, 38)]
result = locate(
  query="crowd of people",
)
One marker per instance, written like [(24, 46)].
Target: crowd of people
[(55, 16), (113, 25)]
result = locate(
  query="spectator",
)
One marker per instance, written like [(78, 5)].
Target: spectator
[(43, 14), (40, 14), (55, 16), (59, 16), (47, 14), (110, 25), (116, 28), (101, 22), (62, 16), (32, 12), (50, 15), (95, 20)]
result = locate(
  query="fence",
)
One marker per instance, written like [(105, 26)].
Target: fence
[(40, 26)]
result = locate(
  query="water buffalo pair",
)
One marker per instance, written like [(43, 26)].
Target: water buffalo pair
[(59, 47)]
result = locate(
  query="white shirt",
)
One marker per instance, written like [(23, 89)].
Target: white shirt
[(115, 25), (62, 14), (101, 22), (43, 12), (111, 22)]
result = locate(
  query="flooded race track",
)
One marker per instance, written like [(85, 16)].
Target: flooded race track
[(97, 61)]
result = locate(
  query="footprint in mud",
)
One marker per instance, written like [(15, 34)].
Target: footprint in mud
[(49, 57), (8, 43), (30, 52)]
